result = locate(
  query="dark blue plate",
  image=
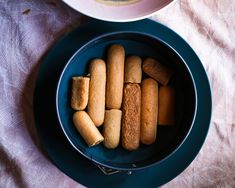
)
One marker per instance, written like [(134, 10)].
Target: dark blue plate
[(68, 159)]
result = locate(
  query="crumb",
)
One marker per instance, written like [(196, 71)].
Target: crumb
[(26, 12), (52, 3)]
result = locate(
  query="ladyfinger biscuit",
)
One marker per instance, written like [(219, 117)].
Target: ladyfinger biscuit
[(111, 128), (166, 114), (131, 116), (87, 128), (133, 70), (115, 76), (149, 111), (80, 90), (157, 71), (96, 102)]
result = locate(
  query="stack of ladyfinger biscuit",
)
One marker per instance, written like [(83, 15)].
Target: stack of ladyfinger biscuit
[(115, 96)]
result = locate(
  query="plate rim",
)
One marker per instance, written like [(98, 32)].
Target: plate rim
[(137, 18)]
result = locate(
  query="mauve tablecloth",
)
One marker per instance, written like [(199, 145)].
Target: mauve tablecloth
[(28, 29)]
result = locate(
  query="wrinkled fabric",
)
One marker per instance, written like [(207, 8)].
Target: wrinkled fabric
[(29, 28)]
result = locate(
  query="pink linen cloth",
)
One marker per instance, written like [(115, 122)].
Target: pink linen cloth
[(29, 28)]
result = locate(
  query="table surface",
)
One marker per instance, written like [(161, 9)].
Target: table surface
[(30, 28)]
